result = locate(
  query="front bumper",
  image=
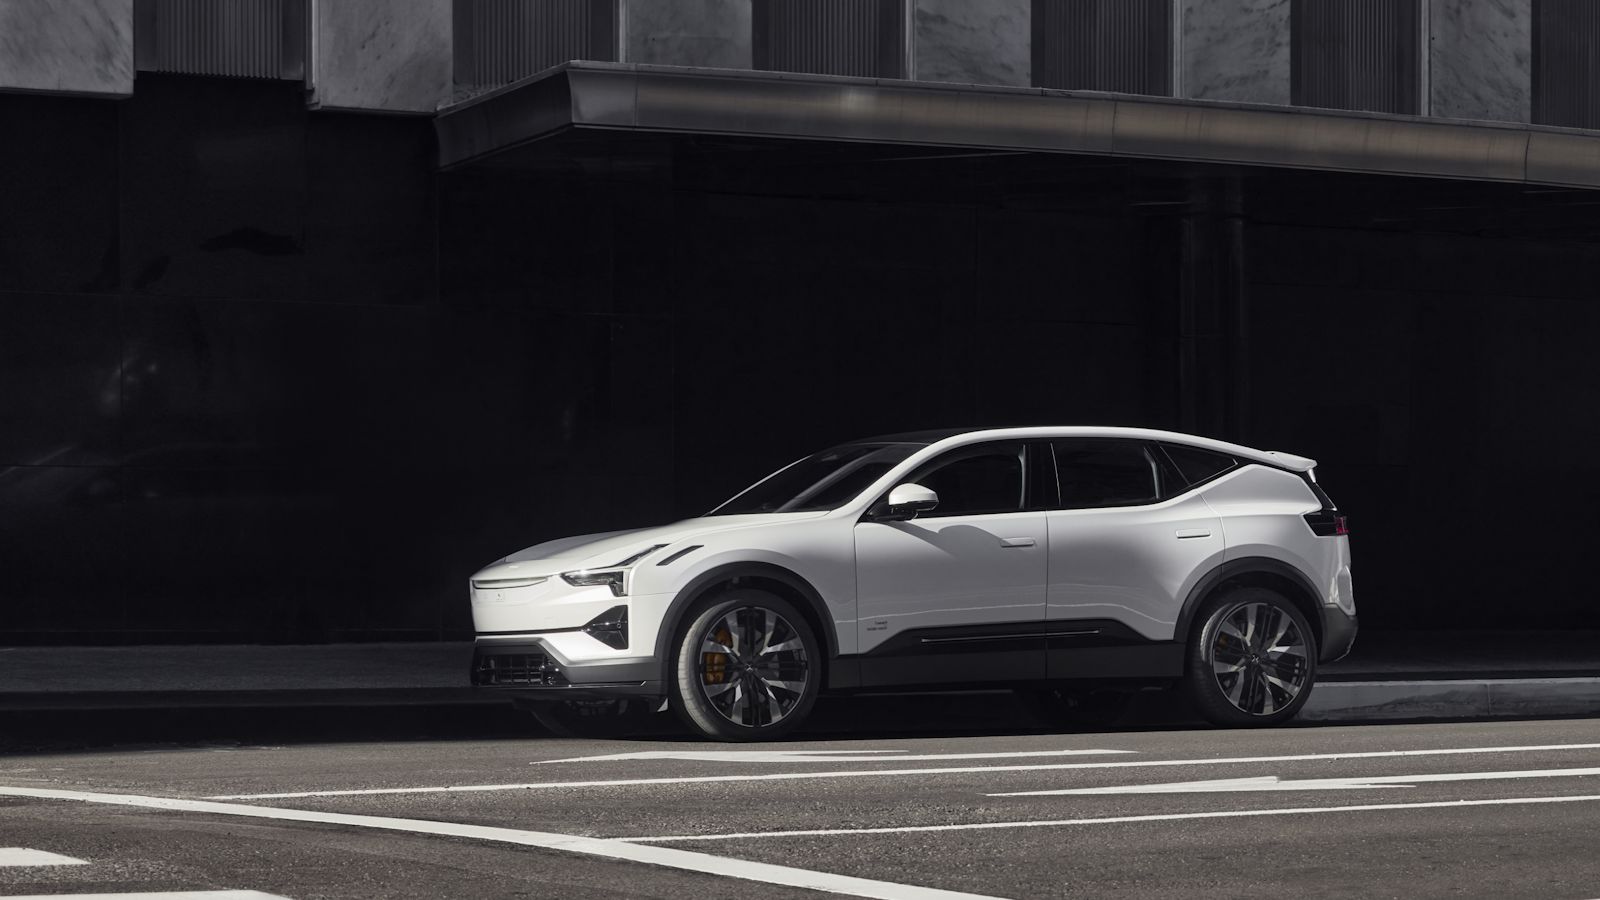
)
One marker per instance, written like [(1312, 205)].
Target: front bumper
[(528, 667), (1338, 633)]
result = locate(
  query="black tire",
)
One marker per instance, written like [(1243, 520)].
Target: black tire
[(1242, 670), (594, 719), (736, 696), (1076, 708)]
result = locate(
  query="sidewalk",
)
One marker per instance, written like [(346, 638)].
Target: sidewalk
[(1400, 675)]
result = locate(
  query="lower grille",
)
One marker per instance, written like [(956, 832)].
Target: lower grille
[(490, 669)]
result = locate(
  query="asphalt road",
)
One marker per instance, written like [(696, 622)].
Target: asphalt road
[(1504, 809)]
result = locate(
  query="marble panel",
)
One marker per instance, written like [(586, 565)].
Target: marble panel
[(711, 33), (73, 46), (1236, 50), (973, 43), (392, 55), (1481, 54)]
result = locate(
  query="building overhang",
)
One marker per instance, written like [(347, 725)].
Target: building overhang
[(672, 100)]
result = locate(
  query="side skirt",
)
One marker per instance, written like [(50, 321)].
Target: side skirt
[(1009, 653)]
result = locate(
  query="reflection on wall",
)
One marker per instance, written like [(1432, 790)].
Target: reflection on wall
[(382, 54), (973, 43), (709, 33), (1236, 50), (81, 46), (1481, 59)]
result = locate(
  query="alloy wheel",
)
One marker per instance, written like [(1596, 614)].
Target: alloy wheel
[(753, 666), (1259, 658)]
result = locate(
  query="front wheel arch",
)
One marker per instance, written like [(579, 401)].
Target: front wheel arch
[(768, 577)]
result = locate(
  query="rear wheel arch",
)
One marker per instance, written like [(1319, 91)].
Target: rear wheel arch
[(1258, 571), (768, 577)]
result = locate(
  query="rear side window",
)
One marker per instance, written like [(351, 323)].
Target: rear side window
[(1196, 465), (1104, 473)]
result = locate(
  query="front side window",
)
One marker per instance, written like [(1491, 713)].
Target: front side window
[(822, 481), (975, 480), (1104, 473)]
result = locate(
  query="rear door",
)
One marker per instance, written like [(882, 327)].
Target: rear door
[(1125, 547)]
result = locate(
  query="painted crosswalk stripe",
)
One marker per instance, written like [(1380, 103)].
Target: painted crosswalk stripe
[(23, 856), (157, 895), (896, 773), (605, 848)]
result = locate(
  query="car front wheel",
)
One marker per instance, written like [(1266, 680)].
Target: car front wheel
[(1253, 659), (748, 667)]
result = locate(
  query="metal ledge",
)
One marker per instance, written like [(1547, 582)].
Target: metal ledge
[(667, 99)]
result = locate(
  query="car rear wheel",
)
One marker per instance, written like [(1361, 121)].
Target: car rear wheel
[(747, 667), (1252, 660)]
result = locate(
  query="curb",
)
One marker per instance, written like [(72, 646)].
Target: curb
[(1481, 698)]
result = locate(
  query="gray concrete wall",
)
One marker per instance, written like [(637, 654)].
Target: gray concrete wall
[(77, 46), (711, 33), (392, 55), (1236, 50), (1481, 59), (974, 43)]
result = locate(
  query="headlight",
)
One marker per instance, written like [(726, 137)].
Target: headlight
[(613, 576)]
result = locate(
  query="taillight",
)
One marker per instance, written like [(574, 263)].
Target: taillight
[(1328, 524)]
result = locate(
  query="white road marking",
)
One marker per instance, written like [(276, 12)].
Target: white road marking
[(1108, 820), (23, 856), (885, 773), (1274, 783), (822, 756), (156, 895), (687, 860)]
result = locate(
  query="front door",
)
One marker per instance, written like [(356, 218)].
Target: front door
[(957, 595)]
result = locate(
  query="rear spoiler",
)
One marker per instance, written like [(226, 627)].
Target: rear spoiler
[(1292, 462)]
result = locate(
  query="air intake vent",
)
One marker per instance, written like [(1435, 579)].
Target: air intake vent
[(1356, 54), (234, 38), (1103, 45), (1565, 69), (865, 38), (500, 41)]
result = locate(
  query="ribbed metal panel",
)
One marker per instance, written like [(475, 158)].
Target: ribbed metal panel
[(830, 37), (1356, 54), (1566, 63), (500, 41), (237, 38), (1103, 45)]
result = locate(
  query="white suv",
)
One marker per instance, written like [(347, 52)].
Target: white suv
[(1066, 562)]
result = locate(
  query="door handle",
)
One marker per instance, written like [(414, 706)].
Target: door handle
[(1016, 542), (1187, 533)]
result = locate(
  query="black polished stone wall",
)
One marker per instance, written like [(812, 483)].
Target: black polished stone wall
[(265, 375)]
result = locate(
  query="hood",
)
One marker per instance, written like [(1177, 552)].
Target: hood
[(611, 547)]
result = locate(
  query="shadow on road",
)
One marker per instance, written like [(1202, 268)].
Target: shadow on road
[(871, 717)]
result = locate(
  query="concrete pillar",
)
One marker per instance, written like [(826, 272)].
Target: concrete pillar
[(1481, 59), (67, 46), (972, 43), (710, 33), (381, 55), (1235, 50)]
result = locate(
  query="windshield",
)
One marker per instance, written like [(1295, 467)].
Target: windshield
[(823, 481)]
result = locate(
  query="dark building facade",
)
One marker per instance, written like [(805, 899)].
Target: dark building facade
[(294, 338)]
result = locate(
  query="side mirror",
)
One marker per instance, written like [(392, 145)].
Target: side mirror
[(906, 501)]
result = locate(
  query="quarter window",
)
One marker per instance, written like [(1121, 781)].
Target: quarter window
[(1196, 465), (1104, 473)]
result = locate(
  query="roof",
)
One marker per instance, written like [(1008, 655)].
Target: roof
[(682, 100), (958, 436)]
